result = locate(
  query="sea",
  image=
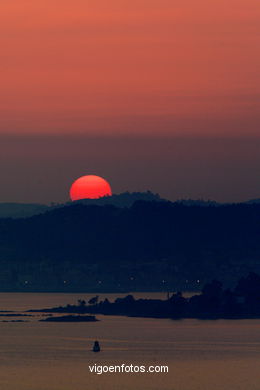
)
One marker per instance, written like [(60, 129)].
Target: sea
[(199, 354)]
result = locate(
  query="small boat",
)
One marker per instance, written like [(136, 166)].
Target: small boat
[(96, 347)]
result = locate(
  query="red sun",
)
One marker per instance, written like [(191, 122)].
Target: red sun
[(90, 187)]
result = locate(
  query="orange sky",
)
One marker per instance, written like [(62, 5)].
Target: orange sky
[(130, 66)]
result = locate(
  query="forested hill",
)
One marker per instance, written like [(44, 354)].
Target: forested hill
[(149, 246), (125, 199)]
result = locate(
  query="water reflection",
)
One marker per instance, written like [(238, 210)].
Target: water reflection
[(202, 355)]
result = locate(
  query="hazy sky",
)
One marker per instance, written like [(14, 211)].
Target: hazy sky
[(151, 94)]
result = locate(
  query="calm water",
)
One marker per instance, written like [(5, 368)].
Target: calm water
[(201, 355)]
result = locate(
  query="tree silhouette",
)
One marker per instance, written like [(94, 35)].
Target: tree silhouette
[(93, 300)]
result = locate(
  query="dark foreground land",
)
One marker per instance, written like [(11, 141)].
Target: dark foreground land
[(70, 318), (213, 303)]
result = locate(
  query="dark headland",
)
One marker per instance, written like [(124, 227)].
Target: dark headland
[(213, 303), (70, 318)]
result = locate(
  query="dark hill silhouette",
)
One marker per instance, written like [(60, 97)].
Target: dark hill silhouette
[(252, 201), (125, 199), (149, 246), (25, 210), (21, 210)]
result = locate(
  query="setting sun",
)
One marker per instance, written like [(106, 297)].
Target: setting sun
[(90, 187)]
